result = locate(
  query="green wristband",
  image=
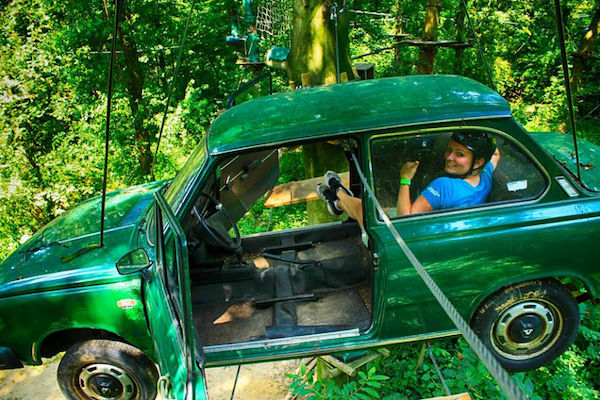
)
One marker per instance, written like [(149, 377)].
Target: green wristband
[(405, 181)]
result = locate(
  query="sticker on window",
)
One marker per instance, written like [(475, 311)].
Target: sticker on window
[(515, 186)]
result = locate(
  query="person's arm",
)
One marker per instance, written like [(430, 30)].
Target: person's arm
[(404, 206), (495, 158)]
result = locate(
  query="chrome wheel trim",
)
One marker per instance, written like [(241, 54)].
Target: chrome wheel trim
[(543, 336), (119, 376)]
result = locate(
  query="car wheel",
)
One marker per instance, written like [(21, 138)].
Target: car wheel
[(529, 324), (106, 369)]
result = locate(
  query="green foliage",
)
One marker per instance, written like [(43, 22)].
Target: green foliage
[(365, 386), (574, 375)]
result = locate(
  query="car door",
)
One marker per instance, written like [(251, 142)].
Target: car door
[(167, 301), (467, 251)]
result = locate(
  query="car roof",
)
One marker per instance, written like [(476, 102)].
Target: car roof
[(355, 106)]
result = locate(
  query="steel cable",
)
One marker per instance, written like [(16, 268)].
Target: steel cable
[(493, 366)]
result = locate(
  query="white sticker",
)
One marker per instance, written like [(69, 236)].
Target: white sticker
[(515, 186), (126, 304)]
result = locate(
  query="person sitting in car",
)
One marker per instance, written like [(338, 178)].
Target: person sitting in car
[(470, 161)]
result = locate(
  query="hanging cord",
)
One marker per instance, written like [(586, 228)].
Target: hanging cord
[(506, 383), (108, 103), (177, 62), (485, 64), (237, 374), (565, 67)]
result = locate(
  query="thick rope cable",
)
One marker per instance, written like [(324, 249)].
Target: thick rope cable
[(493, 366)]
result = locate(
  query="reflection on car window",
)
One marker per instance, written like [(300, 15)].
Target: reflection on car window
[(176, 192), (515, 177)]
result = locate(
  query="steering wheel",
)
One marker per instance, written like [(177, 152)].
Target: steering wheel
[(216, 232)]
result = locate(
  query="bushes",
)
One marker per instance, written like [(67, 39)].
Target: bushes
[(574, 375)]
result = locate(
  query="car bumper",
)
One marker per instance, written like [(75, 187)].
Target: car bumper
[(8, 359)]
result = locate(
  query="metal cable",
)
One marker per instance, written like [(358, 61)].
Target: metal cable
[(177, 62), (565, 67), (108, 103), (493, 366), (237, 374), (437, 369), (485, 64)]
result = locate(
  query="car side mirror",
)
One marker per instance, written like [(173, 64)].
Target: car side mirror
[(134, 261)]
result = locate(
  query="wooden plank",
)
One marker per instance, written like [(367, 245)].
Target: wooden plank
[(462, 396), (298, 192)]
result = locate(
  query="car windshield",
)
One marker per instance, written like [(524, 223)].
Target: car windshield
[(183, 180)]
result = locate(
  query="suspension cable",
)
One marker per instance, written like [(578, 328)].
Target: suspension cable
[(175, 70), (480, 51), (108, 103), (565, 67), (493, 366)]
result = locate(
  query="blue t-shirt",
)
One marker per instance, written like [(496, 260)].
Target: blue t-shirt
[(448, 192)]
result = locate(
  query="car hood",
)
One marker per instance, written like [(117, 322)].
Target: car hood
[(65, 252), (560, 145)]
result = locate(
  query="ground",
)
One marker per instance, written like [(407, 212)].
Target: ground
[(264, 381)]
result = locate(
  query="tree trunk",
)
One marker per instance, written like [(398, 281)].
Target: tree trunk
[(586, 50), (427, 54), (397, 12), (312, 61), (460, 37), (134, 86), (314, 41)]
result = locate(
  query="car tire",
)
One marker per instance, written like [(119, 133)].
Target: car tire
[(528, 325), (106, 369)]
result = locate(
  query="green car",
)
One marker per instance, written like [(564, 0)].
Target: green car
[(200, 271)]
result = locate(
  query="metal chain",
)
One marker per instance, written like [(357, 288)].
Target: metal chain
[(493, 366)]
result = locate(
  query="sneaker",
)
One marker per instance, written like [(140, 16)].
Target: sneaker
[(334, 182), (325, 194)]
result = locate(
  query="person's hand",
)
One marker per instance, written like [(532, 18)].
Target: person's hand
[(409, 169)]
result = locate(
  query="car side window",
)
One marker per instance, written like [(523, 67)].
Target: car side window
[(515, 178)]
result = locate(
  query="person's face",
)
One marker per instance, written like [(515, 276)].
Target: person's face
[(458, 159)]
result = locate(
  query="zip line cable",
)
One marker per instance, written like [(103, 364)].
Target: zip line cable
[(108, 103), (175, 70), (485, 64), (493, 366), (565, 67)]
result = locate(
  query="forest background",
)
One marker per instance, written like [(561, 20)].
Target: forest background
[(54, 64)]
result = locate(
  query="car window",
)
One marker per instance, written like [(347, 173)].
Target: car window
[(515, 178)]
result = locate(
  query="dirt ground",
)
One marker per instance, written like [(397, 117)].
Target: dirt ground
[(264, 381)]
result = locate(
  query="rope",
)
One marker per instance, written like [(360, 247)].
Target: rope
[(506, 383), (485, 64), (177, 62), (565, 67), (108, 103)]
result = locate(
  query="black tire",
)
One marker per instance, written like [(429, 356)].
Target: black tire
[(528, 325), (106, 369)]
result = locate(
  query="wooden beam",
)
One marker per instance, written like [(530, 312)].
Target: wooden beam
[(434, 43), (462, 396), (298, 192)]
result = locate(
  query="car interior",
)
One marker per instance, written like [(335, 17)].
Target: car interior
[(252, 280)]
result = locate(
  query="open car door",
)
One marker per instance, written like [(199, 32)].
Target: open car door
[(168, 303)]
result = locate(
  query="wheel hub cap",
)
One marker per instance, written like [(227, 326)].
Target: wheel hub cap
[(106, 382), (526, 329)]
